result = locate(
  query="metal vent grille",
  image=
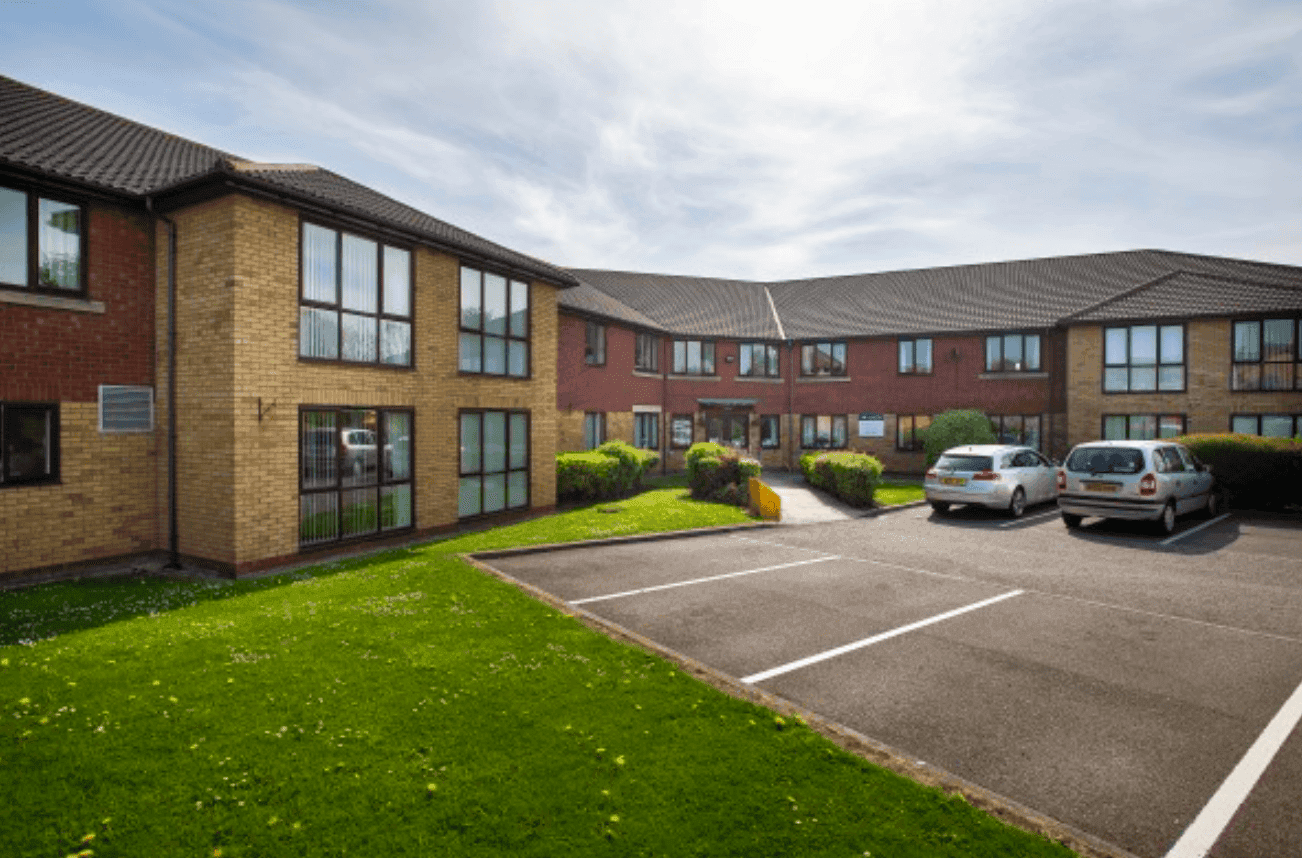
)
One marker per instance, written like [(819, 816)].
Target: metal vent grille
[(126, 408)]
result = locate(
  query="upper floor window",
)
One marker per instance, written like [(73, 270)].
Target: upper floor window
[(41, 243), (693, 357), (594, 350), (825, 358), (29, 443), (828, 431), (915, 357), (356, 299), (647, 357), (758, 359), (1267, 355), (1013, 353), (494, 337), (1142, 358)]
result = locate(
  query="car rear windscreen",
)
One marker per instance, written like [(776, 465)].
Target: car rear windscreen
[(1106, 460), (965, 463)]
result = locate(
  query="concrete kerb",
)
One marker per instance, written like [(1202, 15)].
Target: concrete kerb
[(1005, 809), (882, 510)]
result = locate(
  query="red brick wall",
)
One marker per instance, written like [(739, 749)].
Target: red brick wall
[(55, 354)]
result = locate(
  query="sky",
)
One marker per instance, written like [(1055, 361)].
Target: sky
[(754, 140)]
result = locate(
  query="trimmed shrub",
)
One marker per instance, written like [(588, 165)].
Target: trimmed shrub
[(613, 470), (1252, 472), (852, 477), (633, 464), (718, 473), (702, 450), (954, 428)]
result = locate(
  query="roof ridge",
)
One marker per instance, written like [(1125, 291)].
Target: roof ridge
[(777, 320), (1122, 295)]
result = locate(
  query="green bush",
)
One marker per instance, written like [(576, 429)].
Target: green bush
[(1251, 471), (633, 464), (718, 473), (613, 470), (955, 428), (702, 450), (852, 477)]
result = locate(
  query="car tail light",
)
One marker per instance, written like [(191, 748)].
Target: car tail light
[(1062, 480), (987, 474), (930, 475), (1148, 484)]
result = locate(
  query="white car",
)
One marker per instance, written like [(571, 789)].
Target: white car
[(998, 476), (1137, 480)]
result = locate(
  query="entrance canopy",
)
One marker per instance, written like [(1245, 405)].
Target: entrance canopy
[(707, 402)]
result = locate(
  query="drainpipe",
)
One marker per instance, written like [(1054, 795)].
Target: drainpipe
[(173, 549), (791, 404), (666, 419)]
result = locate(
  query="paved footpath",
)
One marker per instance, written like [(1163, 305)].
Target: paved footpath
[(802, 504)]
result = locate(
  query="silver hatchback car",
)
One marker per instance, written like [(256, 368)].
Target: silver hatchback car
[(1136, 480), (992, 475)]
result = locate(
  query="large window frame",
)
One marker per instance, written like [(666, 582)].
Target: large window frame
[(346, 453), (1266, 354), (1014, 352), (489, 473), (1023, 429), (494, 339), (355, 298), (915, 356), (594, 344), (680, 425), (823, 358), (694, 357), (30, 234), (824, 432), (759, 360), (594, 429), (646, 430), (770, 431), (1290, 423), (908, 429), (1142, 427), (646, 354), (25, 458), (1131, 365)]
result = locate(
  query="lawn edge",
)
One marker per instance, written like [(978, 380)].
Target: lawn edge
[(657, 536), (1005, 809)]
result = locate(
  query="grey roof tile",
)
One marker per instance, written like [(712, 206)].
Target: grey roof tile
[(691, 306)]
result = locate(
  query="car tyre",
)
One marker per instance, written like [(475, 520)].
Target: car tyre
[(1213, 507), (1072, 521), (1017, 505), (941, 507), (1166, 522)]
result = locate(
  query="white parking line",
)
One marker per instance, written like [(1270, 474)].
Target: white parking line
[(702, 580), (1031, 519), (1206, 829), (1191, 530), (851, 647)]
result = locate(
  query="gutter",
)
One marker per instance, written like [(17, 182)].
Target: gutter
[(173, 547)]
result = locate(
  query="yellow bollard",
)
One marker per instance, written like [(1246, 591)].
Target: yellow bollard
[(764, 502)]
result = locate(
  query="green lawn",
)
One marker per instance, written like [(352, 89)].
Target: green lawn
[(407, 704), (895, 492)]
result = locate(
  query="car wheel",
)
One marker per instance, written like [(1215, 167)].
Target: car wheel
[(1213, 505), (1072, 521), (1017, 505), (1166, 524), (940, 506)]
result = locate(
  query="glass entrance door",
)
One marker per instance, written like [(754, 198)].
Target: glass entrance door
[(730, 429)]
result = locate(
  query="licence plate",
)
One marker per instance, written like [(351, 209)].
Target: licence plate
[(953, 481), (1110, 488)]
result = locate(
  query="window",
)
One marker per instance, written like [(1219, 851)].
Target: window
[(355, 471), (770, 431), (1269, 425), (909, 429), (126, 408), (1142, 358), (29, 443), (594, 352), (1142, 427), (822, 359), (646, 431), (494, 462), (647, 358), (758, 359), (356, 299), (825, 431), (1267, 355), (680, 431), (494, 336), (594, 429), (1017, 429), (1013, 353), (915, 357), (693, 357), (41, 243)]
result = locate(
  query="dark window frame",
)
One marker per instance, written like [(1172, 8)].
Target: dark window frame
[(775, 442), (1025, 336), (831, 444), (594, 355), (338, 488), (1157, 417), (34, 194), (1156, 366), (507, 508), (772, 363), (809, 351), (691, 426), (507, 337), (654, 418), (912, 344), (914, 443), (1258, 418), (51, 410), (1295, 361), (601, 424), (703, 372), (998, 424), (337, 306), (639, 352)]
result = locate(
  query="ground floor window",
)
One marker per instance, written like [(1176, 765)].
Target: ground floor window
[(29, 443), (909, 429), (646, 431), (770, 431), (730, 430), (1142, 427), (1017, 429), (680, 431), (594, 429), (825, 431), (355, 472), (1269, 425), (494, 462)]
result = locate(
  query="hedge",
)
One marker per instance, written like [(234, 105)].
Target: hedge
[(719, 473), (1251, 471), (613, 470), (852, 477), (953, 429)]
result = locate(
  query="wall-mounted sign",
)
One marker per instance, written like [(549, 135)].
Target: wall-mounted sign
[(872, 425)]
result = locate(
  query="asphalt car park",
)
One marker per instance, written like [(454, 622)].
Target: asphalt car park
[(1141, 688)]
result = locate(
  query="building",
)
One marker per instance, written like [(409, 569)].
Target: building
[(243, 364)]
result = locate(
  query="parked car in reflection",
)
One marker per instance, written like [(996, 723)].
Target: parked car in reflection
[(998, 476), (359, 452), (1135, 480)]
